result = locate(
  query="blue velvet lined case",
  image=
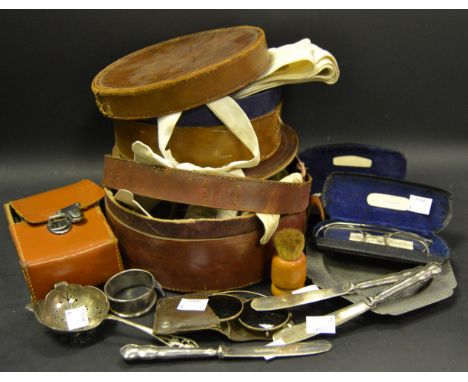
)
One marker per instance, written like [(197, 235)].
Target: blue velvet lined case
[(319, 161), (347, 198)]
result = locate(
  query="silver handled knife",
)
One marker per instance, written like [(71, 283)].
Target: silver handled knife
[(133, 352), (298, 332), (291, 300)]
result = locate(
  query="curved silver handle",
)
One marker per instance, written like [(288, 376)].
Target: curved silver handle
[(424, 274), (298, 332), (385, 280), (133, 352)]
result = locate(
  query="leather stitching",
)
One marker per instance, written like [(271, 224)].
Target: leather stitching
[(143, 91), (193, 75), (29, 283), (112, 236), (17, 243)]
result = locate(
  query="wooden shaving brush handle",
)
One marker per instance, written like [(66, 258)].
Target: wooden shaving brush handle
[(288, 267), (287, 274)]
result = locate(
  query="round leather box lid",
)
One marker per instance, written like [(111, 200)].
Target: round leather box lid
[(282, 157), (181, 73)]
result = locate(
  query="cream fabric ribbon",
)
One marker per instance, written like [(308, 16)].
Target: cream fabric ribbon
[(126, 197), (235, 119), (289, 64), (270, 221)]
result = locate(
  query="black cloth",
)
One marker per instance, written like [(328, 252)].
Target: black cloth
[(403, 86)]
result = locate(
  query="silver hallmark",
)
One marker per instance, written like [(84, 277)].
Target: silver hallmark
[(62, 222)]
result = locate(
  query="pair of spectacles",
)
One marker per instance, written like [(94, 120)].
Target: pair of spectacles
[(373, 234), (229, 307)]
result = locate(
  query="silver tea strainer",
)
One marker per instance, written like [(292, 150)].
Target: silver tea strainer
[(74, 309)]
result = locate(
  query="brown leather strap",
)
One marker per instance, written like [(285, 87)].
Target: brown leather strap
[(182, 228), (316, 202), (216, 191)]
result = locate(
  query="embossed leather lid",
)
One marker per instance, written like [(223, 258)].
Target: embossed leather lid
[(181, 73)]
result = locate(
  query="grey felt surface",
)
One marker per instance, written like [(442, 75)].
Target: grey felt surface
[(333, 269)]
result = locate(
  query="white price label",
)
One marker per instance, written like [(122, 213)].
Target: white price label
[(320, 324), (76, 318), (193, 304), (307, 288), (420, 205)]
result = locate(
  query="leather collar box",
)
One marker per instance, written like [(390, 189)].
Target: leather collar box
[(198, 128), (62, 235), (384, 218), (200, 254), (181, 73), (144, 92)]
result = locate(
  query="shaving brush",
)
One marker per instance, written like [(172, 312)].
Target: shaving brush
[(288, 266)]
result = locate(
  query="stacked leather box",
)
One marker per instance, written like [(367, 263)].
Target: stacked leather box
[(198, 203)]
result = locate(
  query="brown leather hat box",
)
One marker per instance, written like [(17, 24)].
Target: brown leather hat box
[(62, 235), (185, 74), (199, 254), (181, 73), (200, 125)]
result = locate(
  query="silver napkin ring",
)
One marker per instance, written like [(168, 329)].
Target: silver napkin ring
[(131, 293)]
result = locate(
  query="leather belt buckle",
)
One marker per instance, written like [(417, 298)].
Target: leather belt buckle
[(63, 220)]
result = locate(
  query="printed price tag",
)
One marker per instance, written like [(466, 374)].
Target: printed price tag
[(307, 288), (320, 324), (76, 318), (193, 304), (420, 205)]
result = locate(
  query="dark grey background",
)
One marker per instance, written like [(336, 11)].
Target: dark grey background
[(403, 85)]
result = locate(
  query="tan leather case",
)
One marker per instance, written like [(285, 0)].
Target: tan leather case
[(88, 254), (181, 73)]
